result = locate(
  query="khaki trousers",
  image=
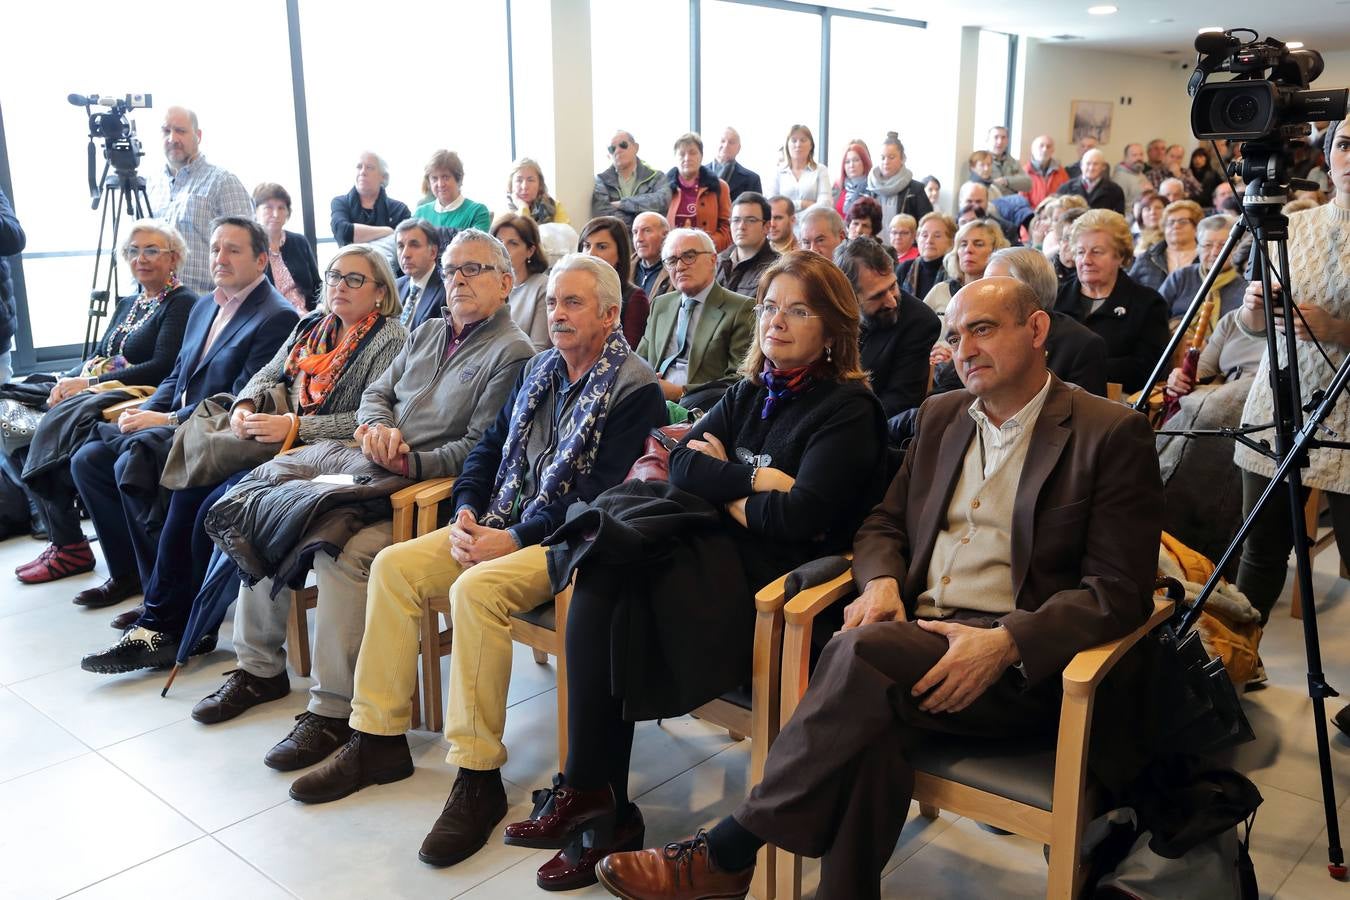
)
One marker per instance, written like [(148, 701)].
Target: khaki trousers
[(482, 599)]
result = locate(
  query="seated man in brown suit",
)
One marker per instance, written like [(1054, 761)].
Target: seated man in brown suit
[(1022, 528)]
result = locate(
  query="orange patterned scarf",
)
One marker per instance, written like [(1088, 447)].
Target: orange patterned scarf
[(317, 360)]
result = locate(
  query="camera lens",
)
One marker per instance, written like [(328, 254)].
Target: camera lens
[(1241, 110)]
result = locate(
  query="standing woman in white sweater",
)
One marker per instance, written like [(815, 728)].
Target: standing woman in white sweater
[(799, 178), (1319, 256)]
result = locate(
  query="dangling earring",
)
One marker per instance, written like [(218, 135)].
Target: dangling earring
[(829, 353)]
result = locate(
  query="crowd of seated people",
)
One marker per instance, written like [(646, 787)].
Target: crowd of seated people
[(862, 370)]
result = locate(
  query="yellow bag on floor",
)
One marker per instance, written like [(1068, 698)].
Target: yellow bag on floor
[(1229, 627)]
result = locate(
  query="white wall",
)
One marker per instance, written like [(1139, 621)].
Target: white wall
[(1054, 75)]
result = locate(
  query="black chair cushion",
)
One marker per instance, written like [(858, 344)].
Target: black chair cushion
[(1023, 771), (544, 616)]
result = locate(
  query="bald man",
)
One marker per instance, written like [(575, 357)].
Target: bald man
[(1042, 542), (1094, 185), (739, 179), (1045, 172), (190, 193)]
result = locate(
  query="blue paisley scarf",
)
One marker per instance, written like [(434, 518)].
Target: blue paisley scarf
[(578, 439)]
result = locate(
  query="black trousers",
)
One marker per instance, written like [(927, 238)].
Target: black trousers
[(600, 742), (837, 784), (1265, 552)]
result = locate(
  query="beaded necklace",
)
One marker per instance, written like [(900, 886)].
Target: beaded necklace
[(141, 310)]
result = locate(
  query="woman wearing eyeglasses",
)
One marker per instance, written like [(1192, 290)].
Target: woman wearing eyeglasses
[(785, 466), (629, 186), (138, 347), (325, 365)]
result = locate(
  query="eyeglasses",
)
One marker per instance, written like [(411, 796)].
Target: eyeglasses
[(687, 257), (767, 311), (1178, 221), (353, 280), (621, 145), (149, 254), (470, 270), (746, 220)]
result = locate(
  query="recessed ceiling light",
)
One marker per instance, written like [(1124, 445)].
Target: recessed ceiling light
[(1101, 10), (1210, 29), (1294, 45)]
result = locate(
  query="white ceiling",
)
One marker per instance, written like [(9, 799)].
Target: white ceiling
[(1149, 27)]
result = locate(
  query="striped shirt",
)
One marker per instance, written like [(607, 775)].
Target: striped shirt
[(189, 199)]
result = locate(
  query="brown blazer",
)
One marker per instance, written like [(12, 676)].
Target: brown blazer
[(1086, 521)]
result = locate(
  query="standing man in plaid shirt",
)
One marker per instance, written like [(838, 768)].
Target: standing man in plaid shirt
[(190, 193)]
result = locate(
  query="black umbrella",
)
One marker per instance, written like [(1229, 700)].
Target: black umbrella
[(219, 589)]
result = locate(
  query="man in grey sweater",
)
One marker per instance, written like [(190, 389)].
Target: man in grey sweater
[(419, 419)]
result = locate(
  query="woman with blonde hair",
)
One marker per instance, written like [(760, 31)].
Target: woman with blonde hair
[(975, 243), (527, 194), (799, 178)]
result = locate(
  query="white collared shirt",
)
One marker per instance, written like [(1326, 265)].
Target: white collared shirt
[(998, 443)]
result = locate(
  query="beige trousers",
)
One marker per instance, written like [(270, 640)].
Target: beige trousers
[(482, 599)]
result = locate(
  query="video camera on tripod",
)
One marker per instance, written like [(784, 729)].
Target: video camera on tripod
[(125, 190), (1267, 105), (122, 150)]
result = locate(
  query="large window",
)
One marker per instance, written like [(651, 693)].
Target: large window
[(991, 83), (245, 110), (640, 75), (742, 89), (869, 98), (403, 80)]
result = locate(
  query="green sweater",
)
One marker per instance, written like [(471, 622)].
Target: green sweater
[(467, 215)]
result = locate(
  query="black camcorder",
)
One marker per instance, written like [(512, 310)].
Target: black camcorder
[(121, 147), (1254, 105)]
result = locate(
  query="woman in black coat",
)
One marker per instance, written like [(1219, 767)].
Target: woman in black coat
[(1131, 318), (791, 459), (291, 266), (138, 348)]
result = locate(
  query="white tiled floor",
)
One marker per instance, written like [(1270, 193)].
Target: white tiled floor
[(109, 791)]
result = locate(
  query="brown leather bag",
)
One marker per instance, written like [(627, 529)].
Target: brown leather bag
[(654, 463)]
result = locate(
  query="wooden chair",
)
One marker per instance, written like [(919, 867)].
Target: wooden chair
[(1039, 791), (740, 712), (1312, 514)]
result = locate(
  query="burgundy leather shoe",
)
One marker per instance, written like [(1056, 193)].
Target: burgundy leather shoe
[(679, 871), (574, 866), (124, 620), (114, 590), (559, 815)]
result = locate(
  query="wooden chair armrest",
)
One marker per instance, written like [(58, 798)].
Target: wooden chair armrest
[(1088, 667), (111, 413), (811, 602), (433, 491), (406, 497)]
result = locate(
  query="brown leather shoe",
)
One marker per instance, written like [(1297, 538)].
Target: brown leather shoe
[(574, 866), (364, 760), (560, 813), (679, 871), (312, 739), (124, 620), (242, 691), (114, 590), (476, 804)]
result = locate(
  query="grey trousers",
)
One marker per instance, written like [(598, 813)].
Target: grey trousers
[(339, 622)]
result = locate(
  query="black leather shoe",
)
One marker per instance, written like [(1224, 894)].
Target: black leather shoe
[(124, 620), (1342, 720), (112, 591), (477, 803), (139, 648), (364, 760), (310, 741), (243, 691)]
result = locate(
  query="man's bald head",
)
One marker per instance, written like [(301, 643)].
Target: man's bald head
[(997, 332), (181, 135)]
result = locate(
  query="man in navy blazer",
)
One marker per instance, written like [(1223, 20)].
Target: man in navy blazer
[(230, 334), (419, 249)]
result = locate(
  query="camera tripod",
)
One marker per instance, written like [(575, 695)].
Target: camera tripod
[(123, 191), (1294, 434)]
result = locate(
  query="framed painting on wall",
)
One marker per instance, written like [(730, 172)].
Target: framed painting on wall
[(1090, 118)]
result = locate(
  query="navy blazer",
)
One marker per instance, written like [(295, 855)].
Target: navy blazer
[(244, 345), (430, 304)]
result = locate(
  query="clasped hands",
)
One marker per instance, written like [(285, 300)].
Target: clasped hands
[(246, 424), (767, 478), (975, 657), (67, 387), (383, 445), (471, 543)]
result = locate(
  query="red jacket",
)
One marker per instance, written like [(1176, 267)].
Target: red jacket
[(713, 214), (1043, 186)]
